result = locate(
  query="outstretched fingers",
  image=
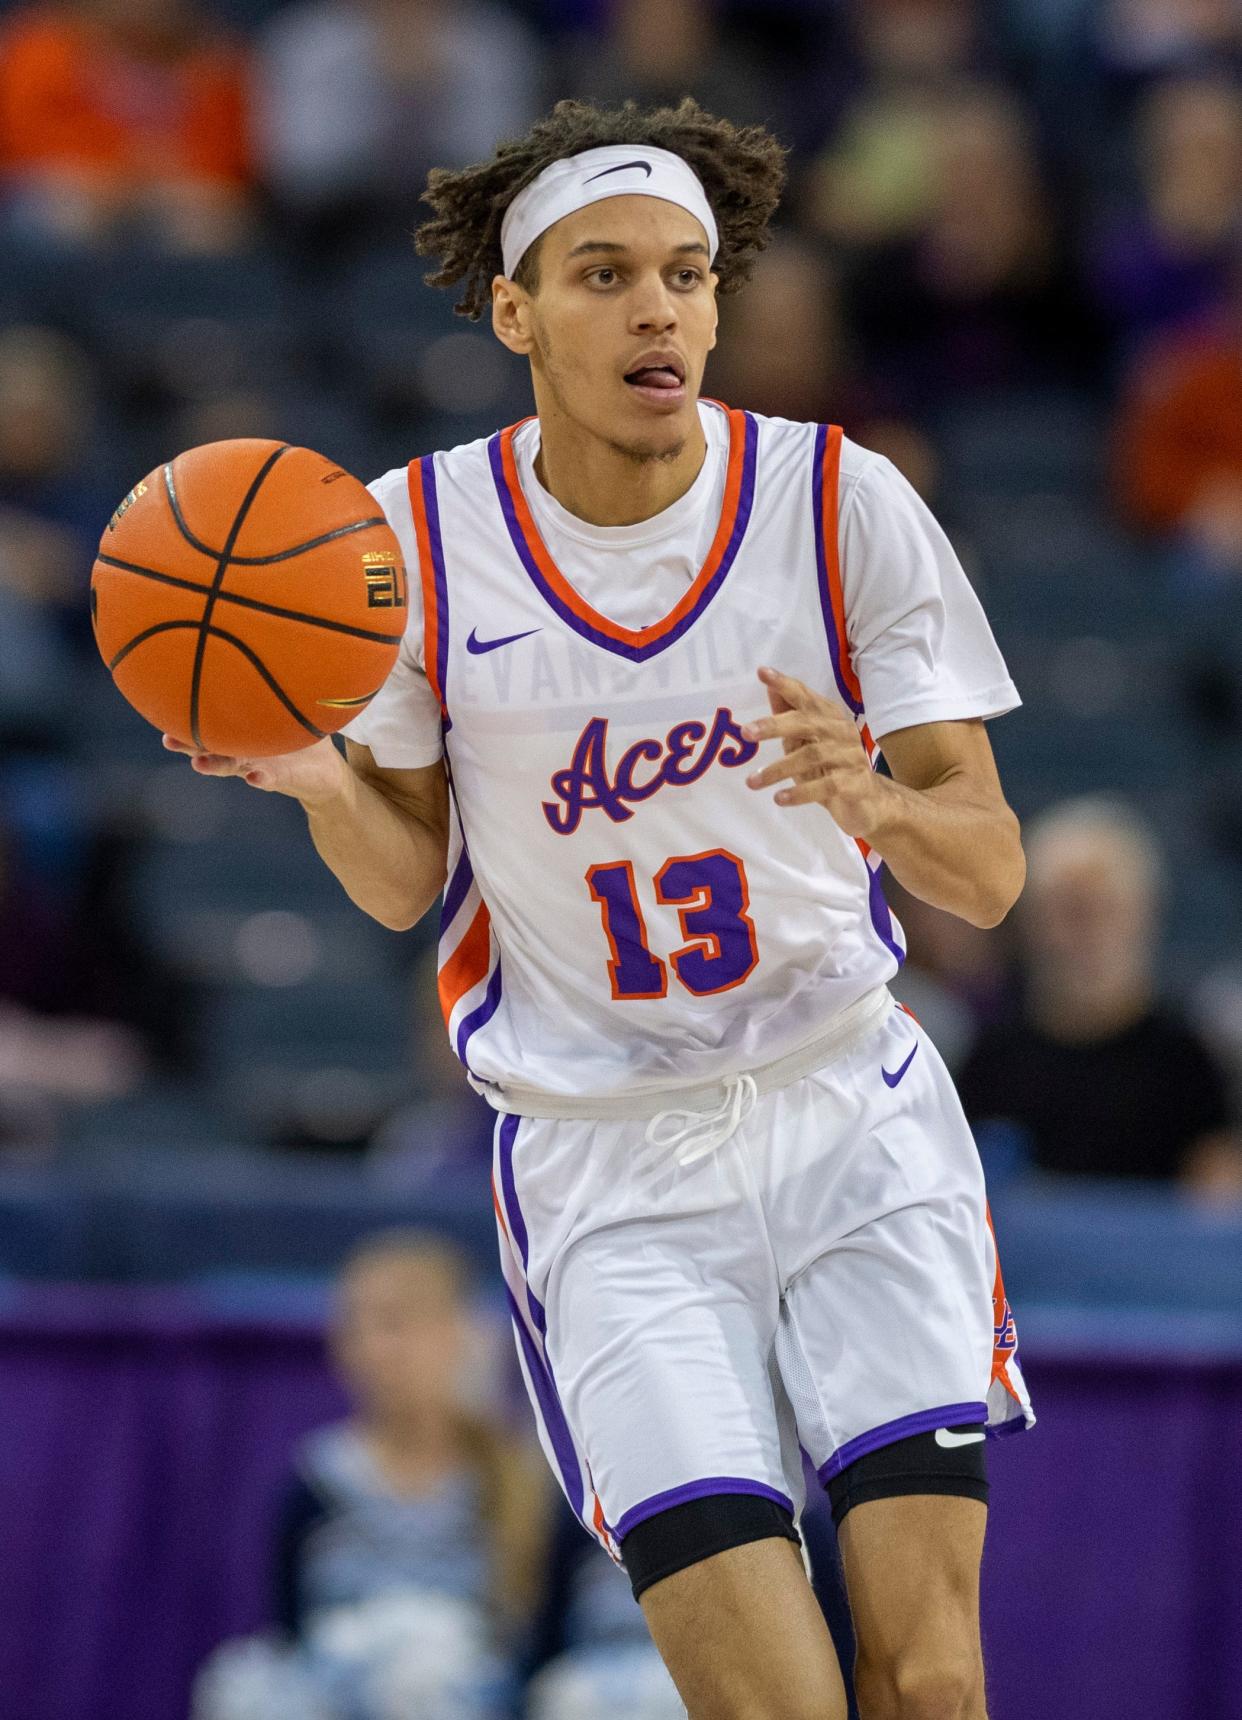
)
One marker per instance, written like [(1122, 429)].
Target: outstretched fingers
[(214, 764)]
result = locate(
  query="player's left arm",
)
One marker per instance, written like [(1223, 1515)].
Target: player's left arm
[(941, 822)]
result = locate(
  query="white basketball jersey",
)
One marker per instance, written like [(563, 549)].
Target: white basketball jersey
[(622, 913)]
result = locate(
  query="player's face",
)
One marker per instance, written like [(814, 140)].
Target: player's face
[(399, 1336), (619, 329)]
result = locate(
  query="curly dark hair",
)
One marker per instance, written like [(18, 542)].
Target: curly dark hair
[(742, 169)]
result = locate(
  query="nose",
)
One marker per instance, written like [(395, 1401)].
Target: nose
[(654, 307)]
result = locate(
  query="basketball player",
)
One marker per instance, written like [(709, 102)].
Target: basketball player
[(655, 648)]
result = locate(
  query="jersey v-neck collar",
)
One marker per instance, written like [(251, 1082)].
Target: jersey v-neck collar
[(642, 642)]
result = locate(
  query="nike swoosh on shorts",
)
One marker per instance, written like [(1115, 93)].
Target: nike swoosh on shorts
[(477, 646), (892, 1080), (945, 1436)]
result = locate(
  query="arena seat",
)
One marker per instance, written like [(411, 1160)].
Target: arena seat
[(1018, 443), (191, 324), (403, 349)]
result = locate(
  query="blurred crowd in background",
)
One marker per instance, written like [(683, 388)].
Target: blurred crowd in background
[(1010, 259)]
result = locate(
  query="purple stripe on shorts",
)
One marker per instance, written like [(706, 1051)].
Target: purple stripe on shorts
[(508, 1129), (1003, 1429), (517, 1224), (922, 1421), (695, 1490), (550, 1409)]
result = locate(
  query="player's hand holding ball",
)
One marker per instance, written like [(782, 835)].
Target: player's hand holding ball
[(310, 775), (249, 599)]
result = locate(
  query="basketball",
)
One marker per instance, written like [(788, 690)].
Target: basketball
[(248, 597)]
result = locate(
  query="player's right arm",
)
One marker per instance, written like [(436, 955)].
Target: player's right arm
[(383, 832)]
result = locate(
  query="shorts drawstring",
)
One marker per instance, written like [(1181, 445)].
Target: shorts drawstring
[(703, 1131)]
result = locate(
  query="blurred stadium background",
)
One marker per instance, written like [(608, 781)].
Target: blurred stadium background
[(1011, 259)]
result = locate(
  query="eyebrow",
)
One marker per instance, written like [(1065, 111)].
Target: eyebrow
[(597, 245)]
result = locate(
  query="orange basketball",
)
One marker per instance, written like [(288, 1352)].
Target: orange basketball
[(248, 597)]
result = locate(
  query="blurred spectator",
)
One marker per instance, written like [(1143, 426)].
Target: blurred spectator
[(757, 365), (52, 504), (873, 183), (1136, 38), (655, 51), (965, 284), (445, 1128), (1178, 476), (591, 1651), (1105, 1078), (64, 1039), (410, 1535), (955, 976), (1163, 262), (1179, 441), (358, 98), (124, 115)]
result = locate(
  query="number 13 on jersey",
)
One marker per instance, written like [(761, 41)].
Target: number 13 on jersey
[(712, 899)]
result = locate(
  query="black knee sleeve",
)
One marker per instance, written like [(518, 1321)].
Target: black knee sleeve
[(686, 1534), (923, 1463)]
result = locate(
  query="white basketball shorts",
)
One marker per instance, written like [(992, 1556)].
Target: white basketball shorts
[(825, 1279)]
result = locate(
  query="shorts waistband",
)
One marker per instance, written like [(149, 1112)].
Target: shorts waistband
[(839, 1037)]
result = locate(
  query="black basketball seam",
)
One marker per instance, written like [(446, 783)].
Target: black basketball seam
[(273, 683), (147, 632), (248, 602), (231, 639), (174, 502), (204, 626)]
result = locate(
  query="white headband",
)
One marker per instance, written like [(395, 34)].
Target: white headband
[(616, 170)]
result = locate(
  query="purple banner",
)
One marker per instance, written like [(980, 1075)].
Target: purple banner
[(144, 1440)]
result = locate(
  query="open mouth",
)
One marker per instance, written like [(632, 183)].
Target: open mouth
[(661, 381)]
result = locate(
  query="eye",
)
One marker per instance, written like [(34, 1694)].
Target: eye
[(689, 277), (598, 274)]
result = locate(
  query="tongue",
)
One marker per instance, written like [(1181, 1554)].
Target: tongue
[(653, 379)]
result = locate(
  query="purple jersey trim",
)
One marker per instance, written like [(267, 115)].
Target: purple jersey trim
[(581, 626), (481, 1015), (821, 563), (923, 1421), (881, 916), (695, 1490), (431, 501), (457, 890)]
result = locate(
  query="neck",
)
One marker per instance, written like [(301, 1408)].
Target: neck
[(415, 1436), (1085, 1009), (607, 485)]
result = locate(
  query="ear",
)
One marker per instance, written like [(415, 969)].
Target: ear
[(511, 319), (715, 280)]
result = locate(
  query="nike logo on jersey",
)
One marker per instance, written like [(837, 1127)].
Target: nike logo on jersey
[(477, 646), (945, 1436), (685, 754), (895, 1078), (624, 168)]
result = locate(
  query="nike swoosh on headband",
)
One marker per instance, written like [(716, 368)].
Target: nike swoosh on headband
[(477, 646), (894, 1078), (946, 1437), (624, 168)]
